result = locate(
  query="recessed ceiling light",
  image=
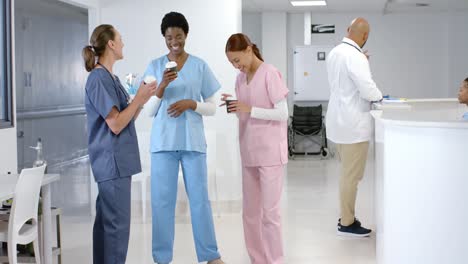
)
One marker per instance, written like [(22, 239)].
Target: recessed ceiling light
[(308, 3)]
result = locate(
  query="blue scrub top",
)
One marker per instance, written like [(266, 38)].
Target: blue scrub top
[(465, 116), (112, 156), (194, 81)]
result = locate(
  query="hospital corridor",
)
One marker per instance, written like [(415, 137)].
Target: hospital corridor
[(233, 131)]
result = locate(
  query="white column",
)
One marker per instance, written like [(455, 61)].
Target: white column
[(274, 40), (307, 28)]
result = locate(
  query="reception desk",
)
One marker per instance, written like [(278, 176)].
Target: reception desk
[(421, 168)]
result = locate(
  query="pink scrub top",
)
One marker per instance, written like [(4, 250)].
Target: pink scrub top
[(262, 142)]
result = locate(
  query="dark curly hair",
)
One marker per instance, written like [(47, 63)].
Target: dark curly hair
[(466, 80), (174, 19)]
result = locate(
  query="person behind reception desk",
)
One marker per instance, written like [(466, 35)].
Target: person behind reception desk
[(348, 120), (463, 96)]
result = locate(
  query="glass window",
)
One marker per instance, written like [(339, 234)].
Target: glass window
[(5, 65)]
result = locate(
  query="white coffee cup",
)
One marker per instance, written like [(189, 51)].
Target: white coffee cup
[(171, 66), (149, 79)]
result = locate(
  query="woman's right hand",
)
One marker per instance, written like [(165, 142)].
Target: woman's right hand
[(224, 97), (145, 92), (168, 77)]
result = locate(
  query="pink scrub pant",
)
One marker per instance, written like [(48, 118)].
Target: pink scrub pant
[(262, 188)]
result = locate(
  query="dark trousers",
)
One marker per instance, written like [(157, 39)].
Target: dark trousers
[(111, 230)]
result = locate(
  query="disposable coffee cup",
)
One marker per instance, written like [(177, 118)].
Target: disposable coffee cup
[(171, 66), (227, 104), (149, 79)]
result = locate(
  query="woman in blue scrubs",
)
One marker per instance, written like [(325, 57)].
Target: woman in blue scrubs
[(112, 143), (178, 137)]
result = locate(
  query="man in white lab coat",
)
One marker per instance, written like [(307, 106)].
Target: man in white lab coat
[(348, 120)]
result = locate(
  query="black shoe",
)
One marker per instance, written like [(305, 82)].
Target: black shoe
[(353, 230), (355, 221)]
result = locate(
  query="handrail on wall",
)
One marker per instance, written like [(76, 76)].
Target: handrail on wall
[(48, 112)]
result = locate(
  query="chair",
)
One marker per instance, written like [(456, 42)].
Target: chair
[(58, 230), (24, 208), (307, 122), (56, 213), (142, 177)]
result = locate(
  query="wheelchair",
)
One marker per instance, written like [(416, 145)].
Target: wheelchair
[(308, 123)]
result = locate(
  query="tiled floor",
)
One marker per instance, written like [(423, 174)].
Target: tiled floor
[(310, 212)]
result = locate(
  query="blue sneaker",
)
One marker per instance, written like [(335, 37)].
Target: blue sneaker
[(353, 230)]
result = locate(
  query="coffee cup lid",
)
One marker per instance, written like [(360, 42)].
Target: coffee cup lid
[(149, 79), (171, 64)]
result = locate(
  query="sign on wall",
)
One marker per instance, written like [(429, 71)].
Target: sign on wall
[(323, 29)]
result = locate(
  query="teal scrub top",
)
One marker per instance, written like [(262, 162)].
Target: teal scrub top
[(195, 81), (112, 156)]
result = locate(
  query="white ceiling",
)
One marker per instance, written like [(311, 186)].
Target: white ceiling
[(334, 6)]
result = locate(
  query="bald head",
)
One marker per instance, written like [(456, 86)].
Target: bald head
[(359, 30)]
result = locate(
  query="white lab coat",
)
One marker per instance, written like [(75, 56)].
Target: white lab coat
[(352, 90)]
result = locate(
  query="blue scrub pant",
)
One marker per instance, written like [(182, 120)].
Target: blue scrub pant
[(112, 224), (164, 174)]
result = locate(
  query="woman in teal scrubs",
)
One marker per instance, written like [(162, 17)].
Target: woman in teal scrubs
[(112, 143), (178, 137)]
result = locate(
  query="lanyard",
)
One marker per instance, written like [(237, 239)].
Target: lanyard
[(127, 97), (352, 46)]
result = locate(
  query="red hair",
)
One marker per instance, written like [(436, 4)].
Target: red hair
[(240, 42)]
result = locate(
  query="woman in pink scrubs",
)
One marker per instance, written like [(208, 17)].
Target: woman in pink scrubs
[(262, 110)]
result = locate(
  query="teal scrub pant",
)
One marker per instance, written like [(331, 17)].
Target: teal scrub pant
[(164, 177), (111, 231)]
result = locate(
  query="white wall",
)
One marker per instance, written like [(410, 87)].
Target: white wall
[(274, 45), (412, 54), (8, 149), (252, 27), (211, 23), (458, 51)]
